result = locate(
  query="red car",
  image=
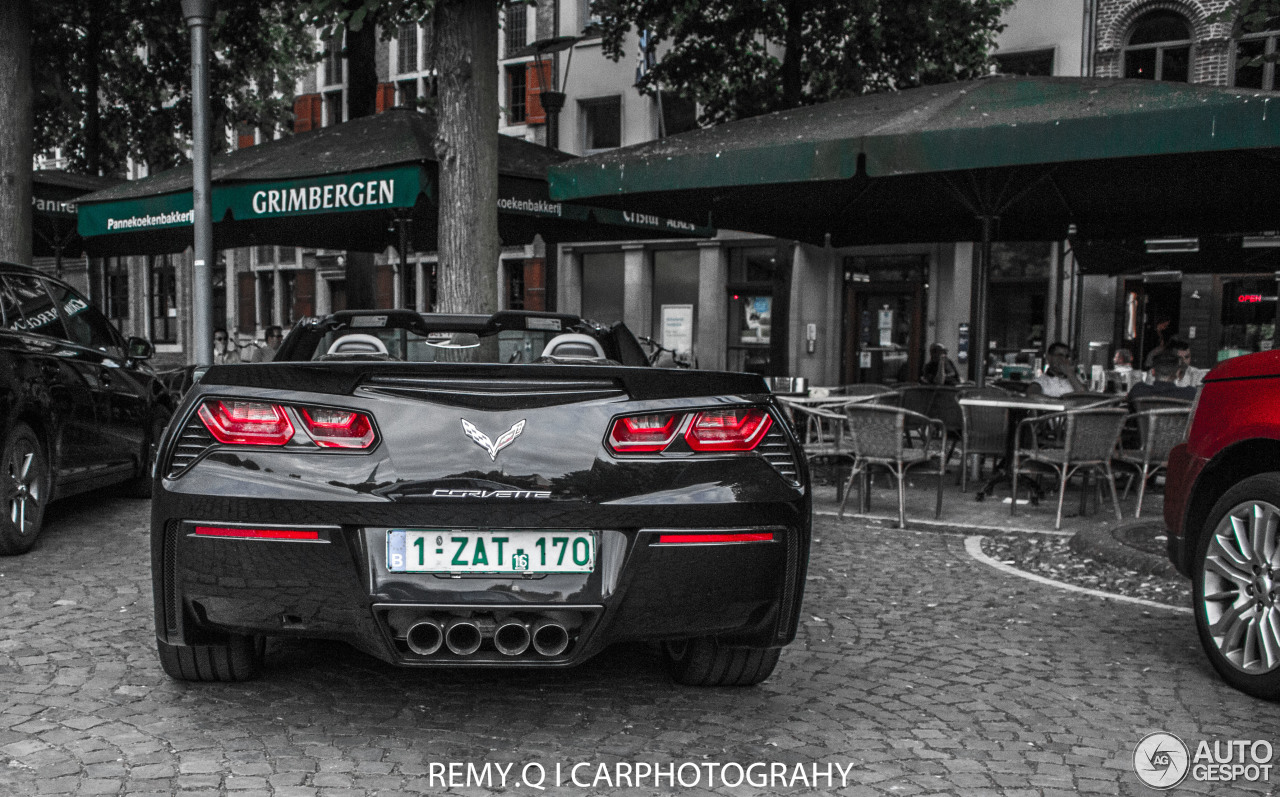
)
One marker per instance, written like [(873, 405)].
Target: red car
[(1222, 509)]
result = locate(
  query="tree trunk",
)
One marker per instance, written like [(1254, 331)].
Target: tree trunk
[(92, 80), (362, 71), (465, 51), (362, 88), (16, 129)]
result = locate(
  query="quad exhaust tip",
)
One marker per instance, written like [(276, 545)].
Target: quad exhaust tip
[(550, 638), (464, 636), (425, 637), (511, 638)]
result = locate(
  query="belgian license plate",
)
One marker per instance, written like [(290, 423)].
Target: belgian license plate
[(508, 551)]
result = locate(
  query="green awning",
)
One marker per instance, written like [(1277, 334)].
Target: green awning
[(382, 189), (1035, 154), (339, 188)]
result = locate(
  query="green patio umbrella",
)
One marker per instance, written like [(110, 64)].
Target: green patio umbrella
[(993, 159), (343, 187)]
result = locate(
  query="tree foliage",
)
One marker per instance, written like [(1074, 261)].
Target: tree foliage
[(740, 58), (113, 80)]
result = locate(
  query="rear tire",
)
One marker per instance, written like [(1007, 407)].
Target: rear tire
[(1236, 587), (25, 488), (239, 659), (704, 661)]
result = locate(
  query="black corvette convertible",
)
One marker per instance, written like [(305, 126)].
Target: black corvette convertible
[(510, 490)]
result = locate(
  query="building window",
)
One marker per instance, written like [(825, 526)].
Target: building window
[(331, 65), (164, 299), (1018, 295), (407, 49), (1253, 55), (266, 297), (1031, 62), (332, 108), (589, 21), (752, 274), (516, 88), (407, 93), (117, 285), (515, 284), (515, 28), (1248, 316), (1159, 48), (602, 123), (678, 115), (603, 277), (675, 298)]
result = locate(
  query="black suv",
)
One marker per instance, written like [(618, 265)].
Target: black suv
[(79, 406)]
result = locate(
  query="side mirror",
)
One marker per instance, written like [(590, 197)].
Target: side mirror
[(140, 348)]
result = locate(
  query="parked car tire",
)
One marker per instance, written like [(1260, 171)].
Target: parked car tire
[(140, 486), (705, 662), (1236, 587), (237, 659), (25, 486)]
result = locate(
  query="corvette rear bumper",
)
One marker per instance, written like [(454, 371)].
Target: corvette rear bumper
[(337, 586)]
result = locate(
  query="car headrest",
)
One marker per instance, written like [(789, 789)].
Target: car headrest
[(357, 343), (573, 344)]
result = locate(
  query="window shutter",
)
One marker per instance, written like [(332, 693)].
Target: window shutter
[(536, 77), (383, 288), (302, 113), (307, 110), (245, 296), (317, 112), (304, 294), (386, 97)]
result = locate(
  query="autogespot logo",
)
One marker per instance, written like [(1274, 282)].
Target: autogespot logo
[(1161, 760)]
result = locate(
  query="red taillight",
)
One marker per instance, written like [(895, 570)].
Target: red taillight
[(739, 429), (711, 539), (338, 428), (644, 433), (246, 423), (256, 534)]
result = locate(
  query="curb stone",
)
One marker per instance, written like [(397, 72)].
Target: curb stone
[(1108, 544)]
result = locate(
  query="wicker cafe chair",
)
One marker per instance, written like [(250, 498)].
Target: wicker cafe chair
[(880, 394), (1159, 430), (1089, 437), (984, 430), (941, 402), (821, 430), (877, 436)]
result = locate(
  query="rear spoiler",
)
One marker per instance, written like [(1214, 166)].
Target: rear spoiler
[(342, 378)]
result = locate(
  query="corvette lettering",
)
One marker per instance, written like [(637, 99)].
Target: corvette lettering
[(443, 493)]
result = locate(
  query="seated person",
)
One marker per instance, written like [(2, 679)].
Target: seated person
[(1188, 374), (1123, 361), (1164, 371), (1060, 377), (939, 370)]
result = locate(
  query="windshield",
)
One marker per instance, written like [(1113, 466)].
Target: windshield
[(403, 336), (514, 346)]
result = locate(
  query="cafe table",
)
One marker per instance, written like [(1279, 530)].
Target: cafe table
[(1019, 407)]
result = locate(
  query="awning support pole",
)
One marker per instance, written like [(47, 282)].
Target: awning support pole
[(978, 306)]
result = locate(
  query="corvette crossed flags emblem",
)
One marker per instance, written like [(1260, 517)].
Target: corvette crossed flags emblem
[(493, 447)]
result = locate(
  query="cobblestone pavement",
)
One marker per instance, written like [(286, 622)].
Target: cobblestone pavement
[(917, 671)]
